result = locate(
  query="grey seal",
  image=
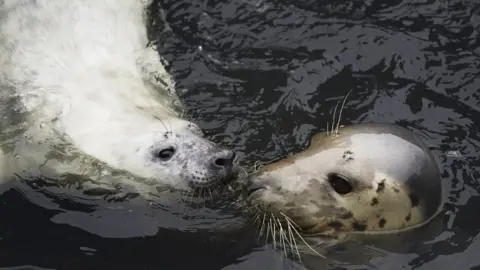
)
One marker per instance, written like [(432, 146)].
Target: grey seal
[(372, 178), (80, 86)]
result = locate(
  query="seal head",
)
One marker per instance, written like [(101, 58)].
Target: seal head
[(367, 178), (104, 98), (183, 156)]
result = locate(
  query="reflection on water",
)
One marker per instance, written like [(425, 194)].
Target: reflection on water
[(262, 76)]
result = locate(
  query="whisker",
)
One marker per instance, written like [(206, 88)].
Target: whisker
[(282, 237), (204, 197), (269, 228), (274, 236), (341, 110), (192, 196), (163, 123), (286, 234), (333, 120), (300, 236), (170, 124), (255, 219), (211, 196), (292, 238), (245, 172), (255, 168), (185, 207), (263, 223)]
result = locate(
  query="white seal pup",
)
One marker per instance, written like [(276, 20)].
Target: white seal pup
[(79, 87), (364, 179)]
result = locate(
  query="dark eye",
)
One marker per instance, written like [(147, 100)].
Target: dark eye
[(166, 154), (340, 184)]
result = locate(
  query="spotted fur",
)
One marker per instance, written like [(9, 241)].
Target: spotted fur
[(395, 183)]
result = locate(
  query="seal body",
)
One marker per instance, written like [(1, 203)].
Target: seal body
[(79, 86), (368, 179)]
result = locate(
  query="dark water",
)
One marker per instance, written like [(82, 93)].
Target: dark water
[(262, 77)]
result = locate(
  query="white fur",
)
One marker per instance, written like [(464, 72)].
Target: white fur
[(82, 72)]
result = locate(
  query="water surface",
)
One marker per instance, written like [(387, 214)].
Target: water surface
[(262, 77)]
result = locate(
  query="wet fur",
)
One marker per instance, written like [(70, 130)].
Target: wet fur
[(396, 184), (79, 93)]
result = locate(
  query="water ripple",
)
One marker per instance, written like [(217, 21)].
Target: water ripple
[(264, 75)]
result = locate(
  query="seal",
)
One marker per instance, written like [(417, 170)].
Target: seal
[(80, 86), (372, 178)]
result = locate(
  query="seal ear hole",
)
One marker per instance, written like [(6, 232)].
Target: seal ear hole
[(166, 153), (340, 183)]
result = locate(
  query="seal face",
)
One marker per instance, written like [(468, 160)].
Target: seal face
[(78, 75), (369, 178)]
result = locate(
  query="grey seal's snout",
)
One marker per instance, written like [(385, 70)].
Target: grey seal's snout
[(227, 161), (250, 186), (224, 159)]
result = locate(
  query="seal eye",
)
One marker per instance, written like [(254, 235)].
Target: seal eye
[(340, 184), (166, 154)]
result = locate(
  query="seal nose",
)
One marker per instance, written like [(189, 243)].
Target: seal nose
[(225, 160)]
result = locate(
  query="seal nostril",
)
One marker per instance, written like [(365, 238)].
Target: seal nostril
[(220, 162), (226, 160)]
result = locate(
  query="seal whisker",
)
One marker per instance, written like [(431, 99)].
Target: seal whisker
[(262, 226), (204, 195), (341, 110), (183, 209), (190, 198), (293, 241), (282, 237), (170, 124), (211, 195), (163, 123), (274, 234), (255, 168), (288, 238), (244, 171), (300, 236), (269, 228), (333, 119), (216, 193), (251, 217), (255, 219)]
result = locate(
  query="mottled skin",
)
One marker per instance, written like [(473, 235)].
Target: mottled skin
[(392, 183)]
